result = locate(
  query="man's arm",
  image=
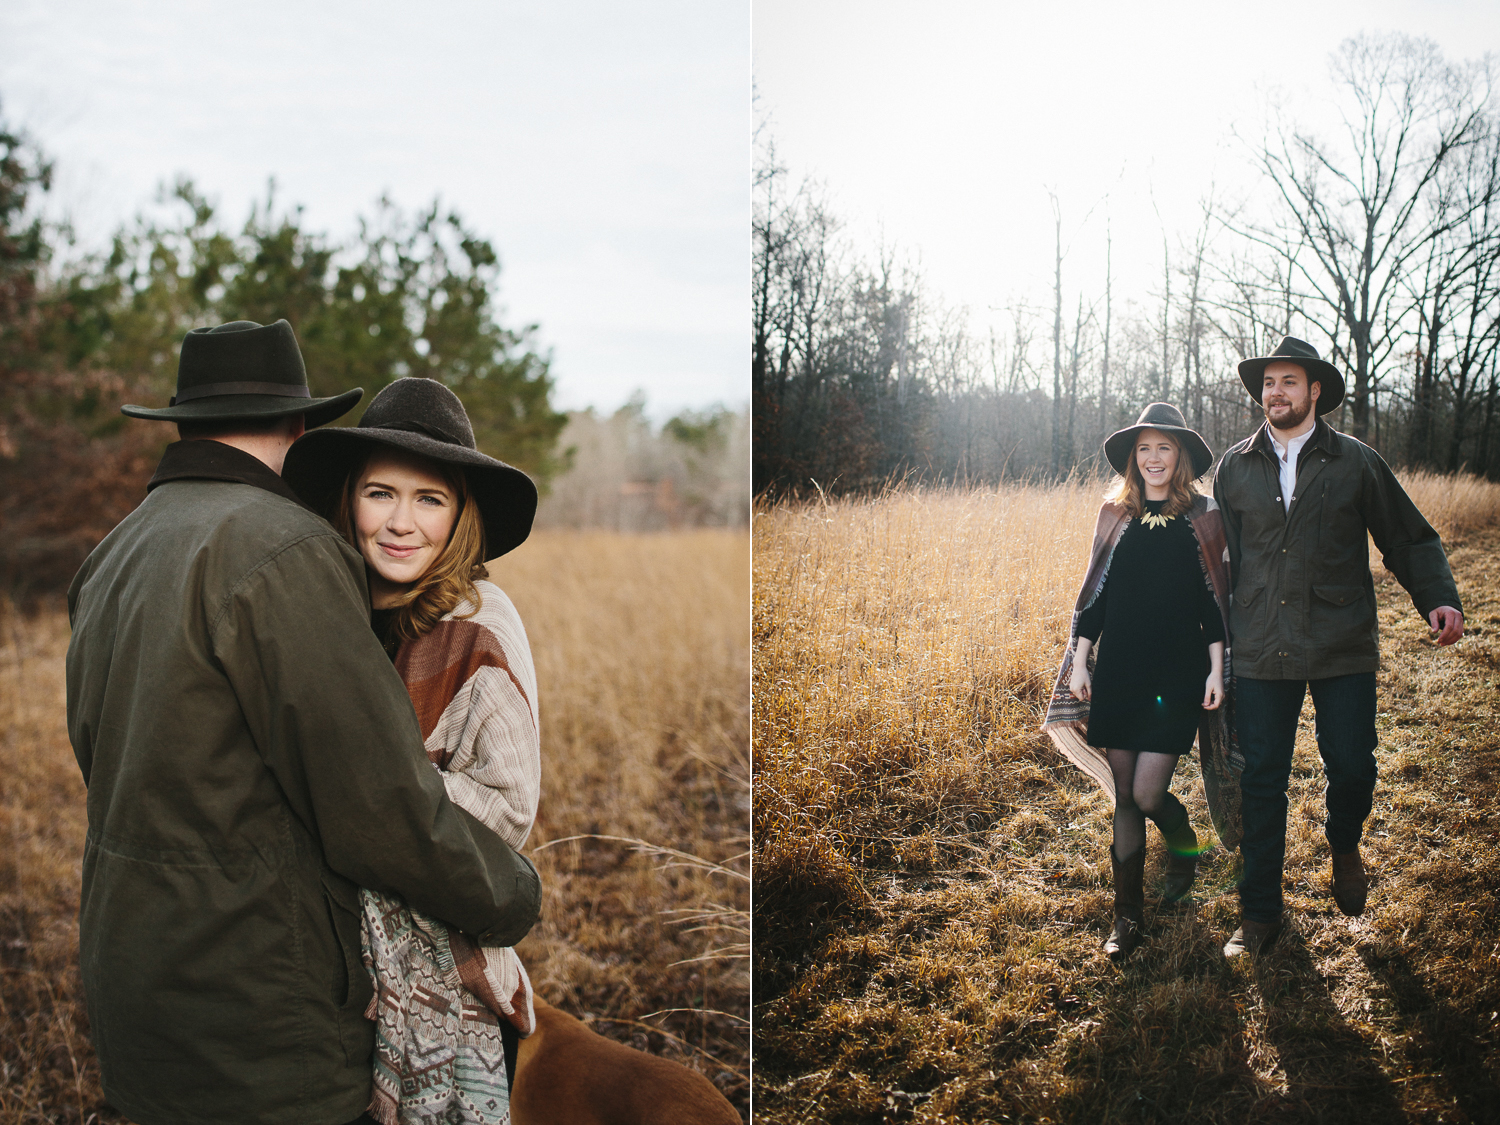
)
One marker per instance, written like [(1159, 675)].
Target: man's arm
[(1410, 548), (333, 722)]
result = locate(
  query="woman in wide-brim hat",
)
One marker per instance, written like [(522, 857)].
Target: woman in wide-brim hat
[(408, 489), (1143, 673)]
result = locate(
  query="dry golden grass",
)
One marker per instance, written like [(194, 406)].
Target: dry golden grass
[(642, 654), (1454, 504), (929, 899)]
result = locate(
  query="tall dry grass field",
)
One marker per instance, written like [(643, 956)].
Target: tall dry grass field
[(931, 884), (642, 656)]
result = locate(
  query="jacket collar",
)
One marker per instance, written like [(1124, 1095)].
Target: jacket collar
[(1324, 437), (213, 460)]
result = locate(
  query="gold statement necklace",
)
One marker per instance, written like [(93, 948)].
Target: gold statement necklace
[(1155, 519)]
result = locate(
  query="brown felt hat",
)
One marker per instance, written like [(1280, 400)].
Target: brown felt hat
[(424, 417), (1305, 356), (244, 370), (1167, 418)]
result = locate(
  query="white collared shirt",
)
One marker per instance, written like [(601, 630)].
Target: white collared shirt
[(1286, 456)]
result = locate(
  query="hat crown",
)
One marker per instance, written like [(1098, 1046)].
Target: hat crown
[(242, 352), (420, 405), (1162, 414), (1293, 348)]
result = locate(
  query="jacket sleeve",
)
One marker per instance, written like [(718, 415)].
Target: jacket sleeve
[(335, 726), (1409, 547)]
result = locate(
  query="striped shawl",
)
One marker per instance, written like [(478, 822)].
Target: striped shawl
[(1067, 718), (439, 996)]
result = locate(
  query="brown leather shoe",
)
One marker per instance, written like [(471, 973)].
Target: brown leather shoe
[(1350, 883), (1252, 938), (1130, 903)]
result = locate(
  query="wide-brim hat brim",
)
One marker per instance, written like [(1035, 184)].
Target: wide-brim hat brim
[(1118, 445), (318, 464), (1253, 373), (251, 408)]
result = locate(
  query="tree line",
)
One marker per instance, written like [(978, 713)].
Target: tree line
[(84, 330), (627, 474), (1379, 241)]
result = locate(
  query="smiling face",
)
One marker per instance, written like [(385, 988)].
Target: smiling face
[(1288, 398), (404, 512), (1156, 456)]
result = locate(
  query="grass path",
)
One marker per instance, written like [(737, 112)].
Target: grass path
[(927, 944)]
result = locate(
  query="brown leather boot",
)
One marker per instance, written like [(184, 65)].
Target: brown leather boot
[(1181, 871), (1350, 883), (1129, 876), (1182, 860), (1252, 938)]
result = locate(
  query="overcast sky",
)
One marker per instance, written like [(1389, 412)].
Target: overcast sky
[(941, 127), (602, 147)]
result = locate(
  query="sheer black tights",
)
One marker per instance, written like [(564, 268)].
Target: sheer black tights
[(1141, 781)]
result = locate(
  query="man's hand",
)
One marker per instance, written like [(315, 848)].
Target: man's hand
[(1447, 624)]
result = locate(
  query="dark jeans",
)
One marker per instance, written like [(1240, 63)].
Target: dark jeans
[(1266, 713)]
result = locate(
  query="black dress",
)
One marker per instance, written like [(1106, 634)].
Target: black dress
[(1158, 618)]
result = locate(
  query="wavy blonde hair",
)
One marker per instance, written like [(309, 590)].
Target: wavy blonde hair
[(1130, 490), (449, 581)]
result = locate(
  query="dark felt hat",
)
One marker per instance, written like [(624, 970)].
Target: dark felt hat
[(1167, 418), (244, 370), (1305, 356), (424, 417)]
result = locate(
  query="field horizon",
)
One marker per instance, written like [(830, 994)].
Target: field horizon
[(931, 886)]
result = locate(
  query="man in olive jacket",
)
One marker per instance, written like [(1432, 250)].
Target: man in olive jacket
[(252, 759), (1298, 498)]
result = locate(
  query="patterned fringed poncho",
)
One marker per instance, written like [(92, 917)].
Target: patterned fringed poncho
[(439, 997), (1067, 718)]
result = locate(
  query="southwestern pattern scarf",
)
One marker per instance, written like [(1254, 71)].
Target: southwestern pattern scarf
[(439, 997), (1067, 718)]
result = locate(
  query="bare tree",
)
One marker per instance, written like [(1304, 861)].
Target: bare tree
[(1350, 218), (1108, 310)]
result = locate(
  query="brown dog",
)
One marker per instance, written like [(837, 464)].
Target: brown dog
[(568, 1075)]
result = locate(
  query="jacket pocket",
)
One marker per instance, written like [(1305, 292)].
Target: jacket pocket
[(1246, 629), (1341, 624), (350, 983), (1340, 595)]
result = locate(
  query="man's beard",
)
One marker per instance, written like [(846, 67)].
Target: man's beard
[(1294, 417)]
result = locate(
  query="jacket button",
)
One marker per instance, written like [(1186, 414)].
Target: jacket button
[(1278, 499), (1283, 601)]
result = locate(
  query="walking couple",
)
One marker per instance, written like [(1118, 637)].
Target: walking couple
[(1270, 575), (308, 726)]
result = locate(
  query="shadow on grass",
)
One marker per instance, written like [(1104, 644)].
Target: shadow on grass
[(1187, 1037), (1329, 1071), (1445, 1041)]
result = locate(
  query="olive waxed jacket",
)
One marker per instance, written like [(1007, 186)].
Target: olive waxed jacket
[(252, 759), (1303, 601)]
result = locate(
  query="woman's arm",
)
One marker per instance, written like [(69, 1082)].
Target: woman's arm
[(1080, 683), (1213, 688)]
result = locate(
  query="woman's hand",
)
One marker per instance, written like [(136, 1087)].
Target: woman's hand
[(1080, 683), (1213, 687)]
